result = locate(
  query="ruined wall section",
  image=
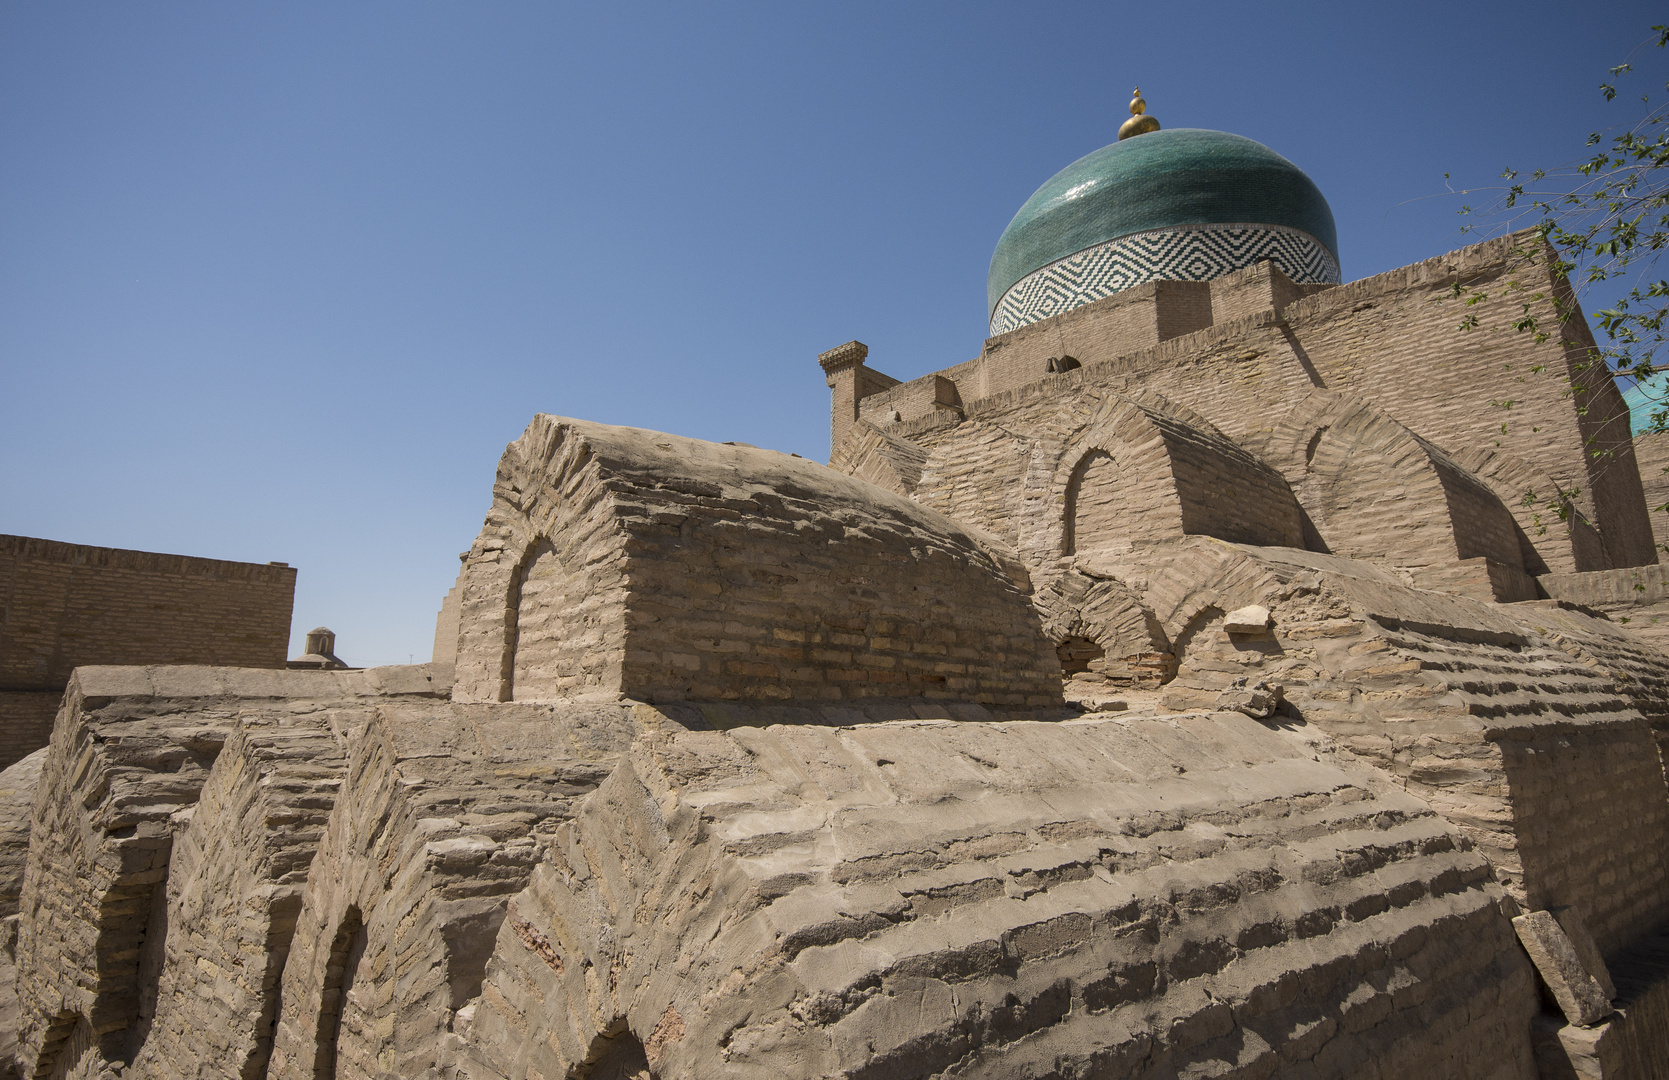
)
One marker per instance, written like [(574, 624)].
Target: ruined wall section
[(1564, 467), (1553, 534), (1222, 490), (878, 457), (727, 573), (1634, 663), (443, 814), (18, 784), (1061, 474), (1118, 898), (1369, 487), (1522, 729), (975, 474), (210, 974), (130, 752), (1374, 490), (1253, 381), (1238, 375), (1127, 645), (106, 794)]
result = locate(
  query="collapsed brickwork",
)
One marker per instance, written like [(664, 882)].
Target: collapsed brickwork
[(1219, 702)]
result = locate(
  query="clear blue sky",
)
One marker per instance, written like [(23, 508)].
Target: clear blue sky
[(279, 281)]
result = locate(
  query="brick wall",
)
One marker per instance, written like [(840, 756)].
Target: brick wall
[(1248, 350), (26, 722), (1651, 455), (1592, 821), (1394, 339), (1120, 324), (1257, 288), (65, 605)]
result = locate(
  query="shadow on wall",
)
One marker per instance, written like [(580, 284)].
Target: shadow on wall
[(347, 951), (616, 1057)]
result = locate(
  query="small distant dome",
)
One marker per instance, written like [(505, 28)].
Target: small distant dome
[(1184, 204), (320, 654)]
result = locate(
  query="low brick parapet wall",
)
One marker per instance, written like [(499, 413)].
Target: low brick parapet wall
[(66, 605), (1633, 585)]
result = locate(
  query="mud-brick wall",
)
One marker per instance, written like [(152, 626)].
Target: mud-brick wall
[(794, 607), (66, 605), (1651, 454), (26, 722), (1592, 823), (1395, 340), (1126, 322)]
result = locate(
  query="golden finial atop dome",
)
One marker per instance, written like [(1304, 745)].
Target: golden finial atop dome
[(1139, 123)]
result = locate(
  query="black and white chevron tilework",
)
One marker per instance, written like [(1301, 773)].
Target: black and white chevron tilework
[(1195, 253)]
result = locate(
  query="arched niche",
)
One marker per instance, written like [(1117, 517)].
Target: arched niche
[(1143, 472), (543, 654)]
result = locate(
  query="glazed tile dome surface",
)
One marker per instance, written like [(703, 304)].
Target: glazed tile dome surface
[(1166, 183)]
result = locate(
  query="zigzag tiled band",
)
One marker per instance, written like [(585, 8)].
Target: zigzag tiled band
[(1192, 253)]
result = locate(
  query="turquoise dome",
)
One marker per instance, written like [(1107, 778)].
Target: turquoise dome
[(1644, 399), (1164, 179)]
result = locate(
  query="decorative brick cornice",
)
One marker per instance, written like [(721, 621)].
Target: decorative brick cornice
[(843, 356)]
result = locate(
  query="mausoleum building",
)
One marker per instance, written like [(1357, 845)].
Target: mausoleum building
[(1206, 678)]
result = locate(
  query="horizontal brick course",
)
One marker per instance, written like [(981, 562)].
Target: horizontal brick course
[(65, 605), (625, 562)]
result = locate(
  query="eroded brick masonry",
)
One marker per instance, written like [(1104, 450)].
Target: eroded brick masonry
[(1212, 679)]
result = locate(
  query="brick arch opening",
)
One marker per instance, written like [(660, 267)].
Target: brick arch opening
[(542, 657), (1146, 471), (1197, 624), (1098, 510), (616, 1057), (1079, 656)]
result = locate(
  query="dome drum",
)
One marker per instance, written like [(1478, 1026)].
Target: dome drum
[(1194, 253)]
